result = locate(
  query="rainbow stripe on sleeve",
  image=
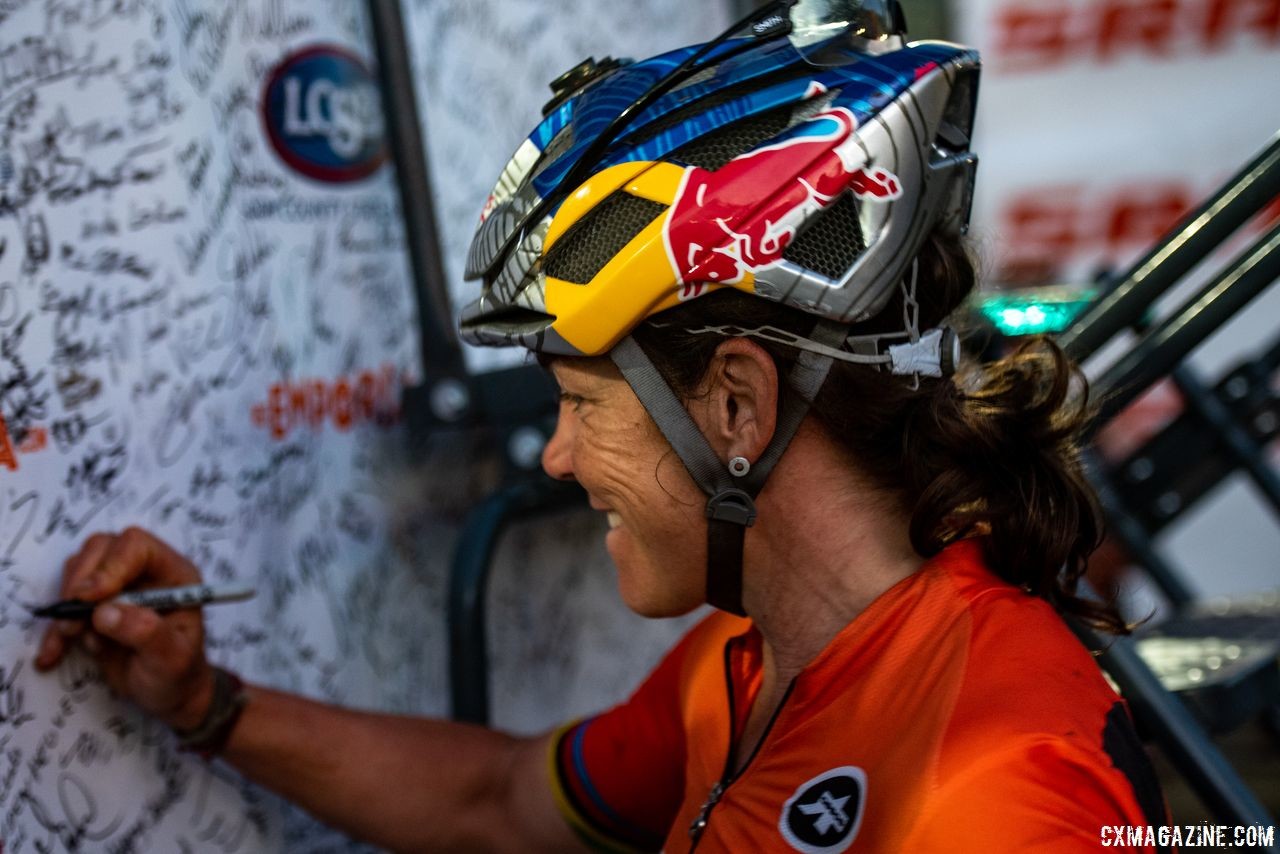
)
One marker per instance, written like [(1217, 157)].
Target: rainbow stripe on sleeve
[(598, 824)]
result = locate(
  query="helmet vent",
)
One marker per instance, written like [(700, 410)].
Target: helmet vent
[(708, 104), (561, 143), (831, 242), (592, 241), (722, 145), (701, 77)]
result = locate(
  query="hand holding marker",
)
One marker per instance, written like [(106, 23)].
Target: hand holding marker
[(161, 599)]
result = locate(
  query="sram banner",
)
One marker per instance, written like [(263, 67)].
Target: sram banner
[(1042, 35), (1103, 121)]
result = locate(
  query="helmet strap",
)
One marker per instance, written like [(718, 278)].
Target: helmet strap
[(731, 506)]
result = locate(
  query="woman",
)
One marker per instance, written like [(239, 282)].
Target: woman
[(736, 260)]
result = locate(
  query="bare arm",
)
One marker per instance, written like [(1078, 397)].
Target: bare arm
[(404, 783)]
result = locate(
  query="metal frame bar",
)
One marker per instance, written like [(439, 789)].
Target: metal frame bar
[(1129, 529), (1160, 468), (1233, 437), (441, 352), (1246, 193), (469, 581), (1169, 342)]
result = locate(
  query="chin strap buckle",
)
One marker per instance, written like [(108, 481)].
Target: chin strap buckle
[(732, 505)]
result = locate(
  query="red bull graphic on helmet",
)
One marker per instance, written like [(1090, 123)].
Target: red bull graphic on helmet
[(727, 223)]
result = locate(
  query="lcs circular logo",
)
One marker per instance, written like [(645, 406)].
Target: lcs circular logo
[(824, 814), (324, 116)]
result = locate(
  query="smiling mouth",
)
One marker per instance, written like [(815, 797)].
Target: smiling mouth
[(614, 519)]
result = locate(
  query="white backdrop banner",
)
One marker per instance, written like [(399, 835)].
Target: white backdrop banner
[(205, 322)]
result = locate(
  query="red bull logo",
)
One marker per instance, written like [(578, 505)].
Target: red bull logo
[(731, 222)]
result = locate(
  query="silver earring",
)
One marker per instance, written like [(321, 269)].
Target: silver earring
[(738, 466)]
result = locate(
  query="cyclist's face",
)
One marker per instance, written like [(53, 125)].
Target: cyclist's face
[(607, 442)]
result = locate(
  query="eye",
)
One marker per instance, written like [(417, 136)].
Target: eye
[(574, 400)]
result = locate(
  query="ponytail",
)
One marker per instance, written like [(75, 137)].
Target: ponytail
[(997, 452)]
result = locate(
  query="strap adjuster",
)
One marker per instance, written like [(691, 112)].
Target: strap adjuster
[(732, 505)]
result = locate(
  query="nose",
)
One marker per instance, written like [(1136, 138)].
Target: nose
[(557, 456)]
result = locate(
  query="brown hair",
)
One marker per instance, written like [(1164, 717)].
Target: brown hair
[(993, 450)]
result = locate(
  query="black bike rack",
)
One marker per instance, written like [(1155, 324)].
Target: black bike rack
[(1220, 416)]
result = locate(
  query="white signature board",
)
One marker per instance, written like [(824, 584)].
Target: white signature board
[(199, 337)]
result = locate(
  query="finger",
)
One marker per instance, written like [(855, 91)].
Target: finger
[(81, 564), (149, 658), (55, 641), (117, 632), (52, 647), (136, 558), (68, 628)]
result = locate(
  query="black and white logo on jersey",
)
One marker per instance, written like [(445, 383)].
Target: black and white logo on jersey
[(824, 814)]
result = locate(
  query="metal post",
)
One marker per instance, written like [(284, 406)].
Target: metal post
[(1232, 436), (1169, 342), (1200, 232), (441, 353)]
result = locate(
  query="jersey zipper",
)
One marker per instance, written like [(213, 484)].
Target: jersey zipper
[(728, 776)]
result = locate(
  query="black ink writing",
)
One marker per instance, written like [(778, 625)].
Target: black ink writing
[(106, 262)]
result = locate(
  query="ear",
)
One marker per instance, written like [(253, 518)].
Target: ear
[(738, 405)]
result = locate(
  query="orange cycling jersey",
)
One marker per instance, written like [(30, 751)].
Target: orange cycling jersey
[(956, 714)]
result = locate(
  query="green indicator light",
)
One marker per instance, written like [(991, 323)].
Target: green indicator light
[(1012, 318), (1040, 311)]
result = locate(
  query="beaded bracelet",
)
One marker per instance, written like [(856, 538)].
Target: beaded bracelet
[(211, 735)]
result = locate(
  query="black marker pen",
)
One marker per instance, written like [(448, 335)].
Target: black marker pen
[(160, 599)]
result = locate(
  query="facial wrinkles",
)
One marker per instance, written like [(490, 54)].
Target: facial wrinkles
[(618, 451), (621, 439)]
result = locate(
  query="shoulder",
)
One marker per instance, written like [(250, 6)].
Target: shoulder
[(1018, 647), (1041, 793), (1026, 677)]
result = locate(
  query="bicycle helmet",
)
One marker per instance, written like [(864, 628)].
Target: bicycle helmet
[(802, 157)]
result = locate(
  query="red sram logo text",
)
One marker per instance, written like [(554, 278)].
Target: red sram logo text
[(1045, 229), (1042, 35)]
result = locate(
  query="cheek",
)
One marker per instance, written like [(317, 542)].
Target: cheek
[(620, 451), (604, 460), (674, 479)]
